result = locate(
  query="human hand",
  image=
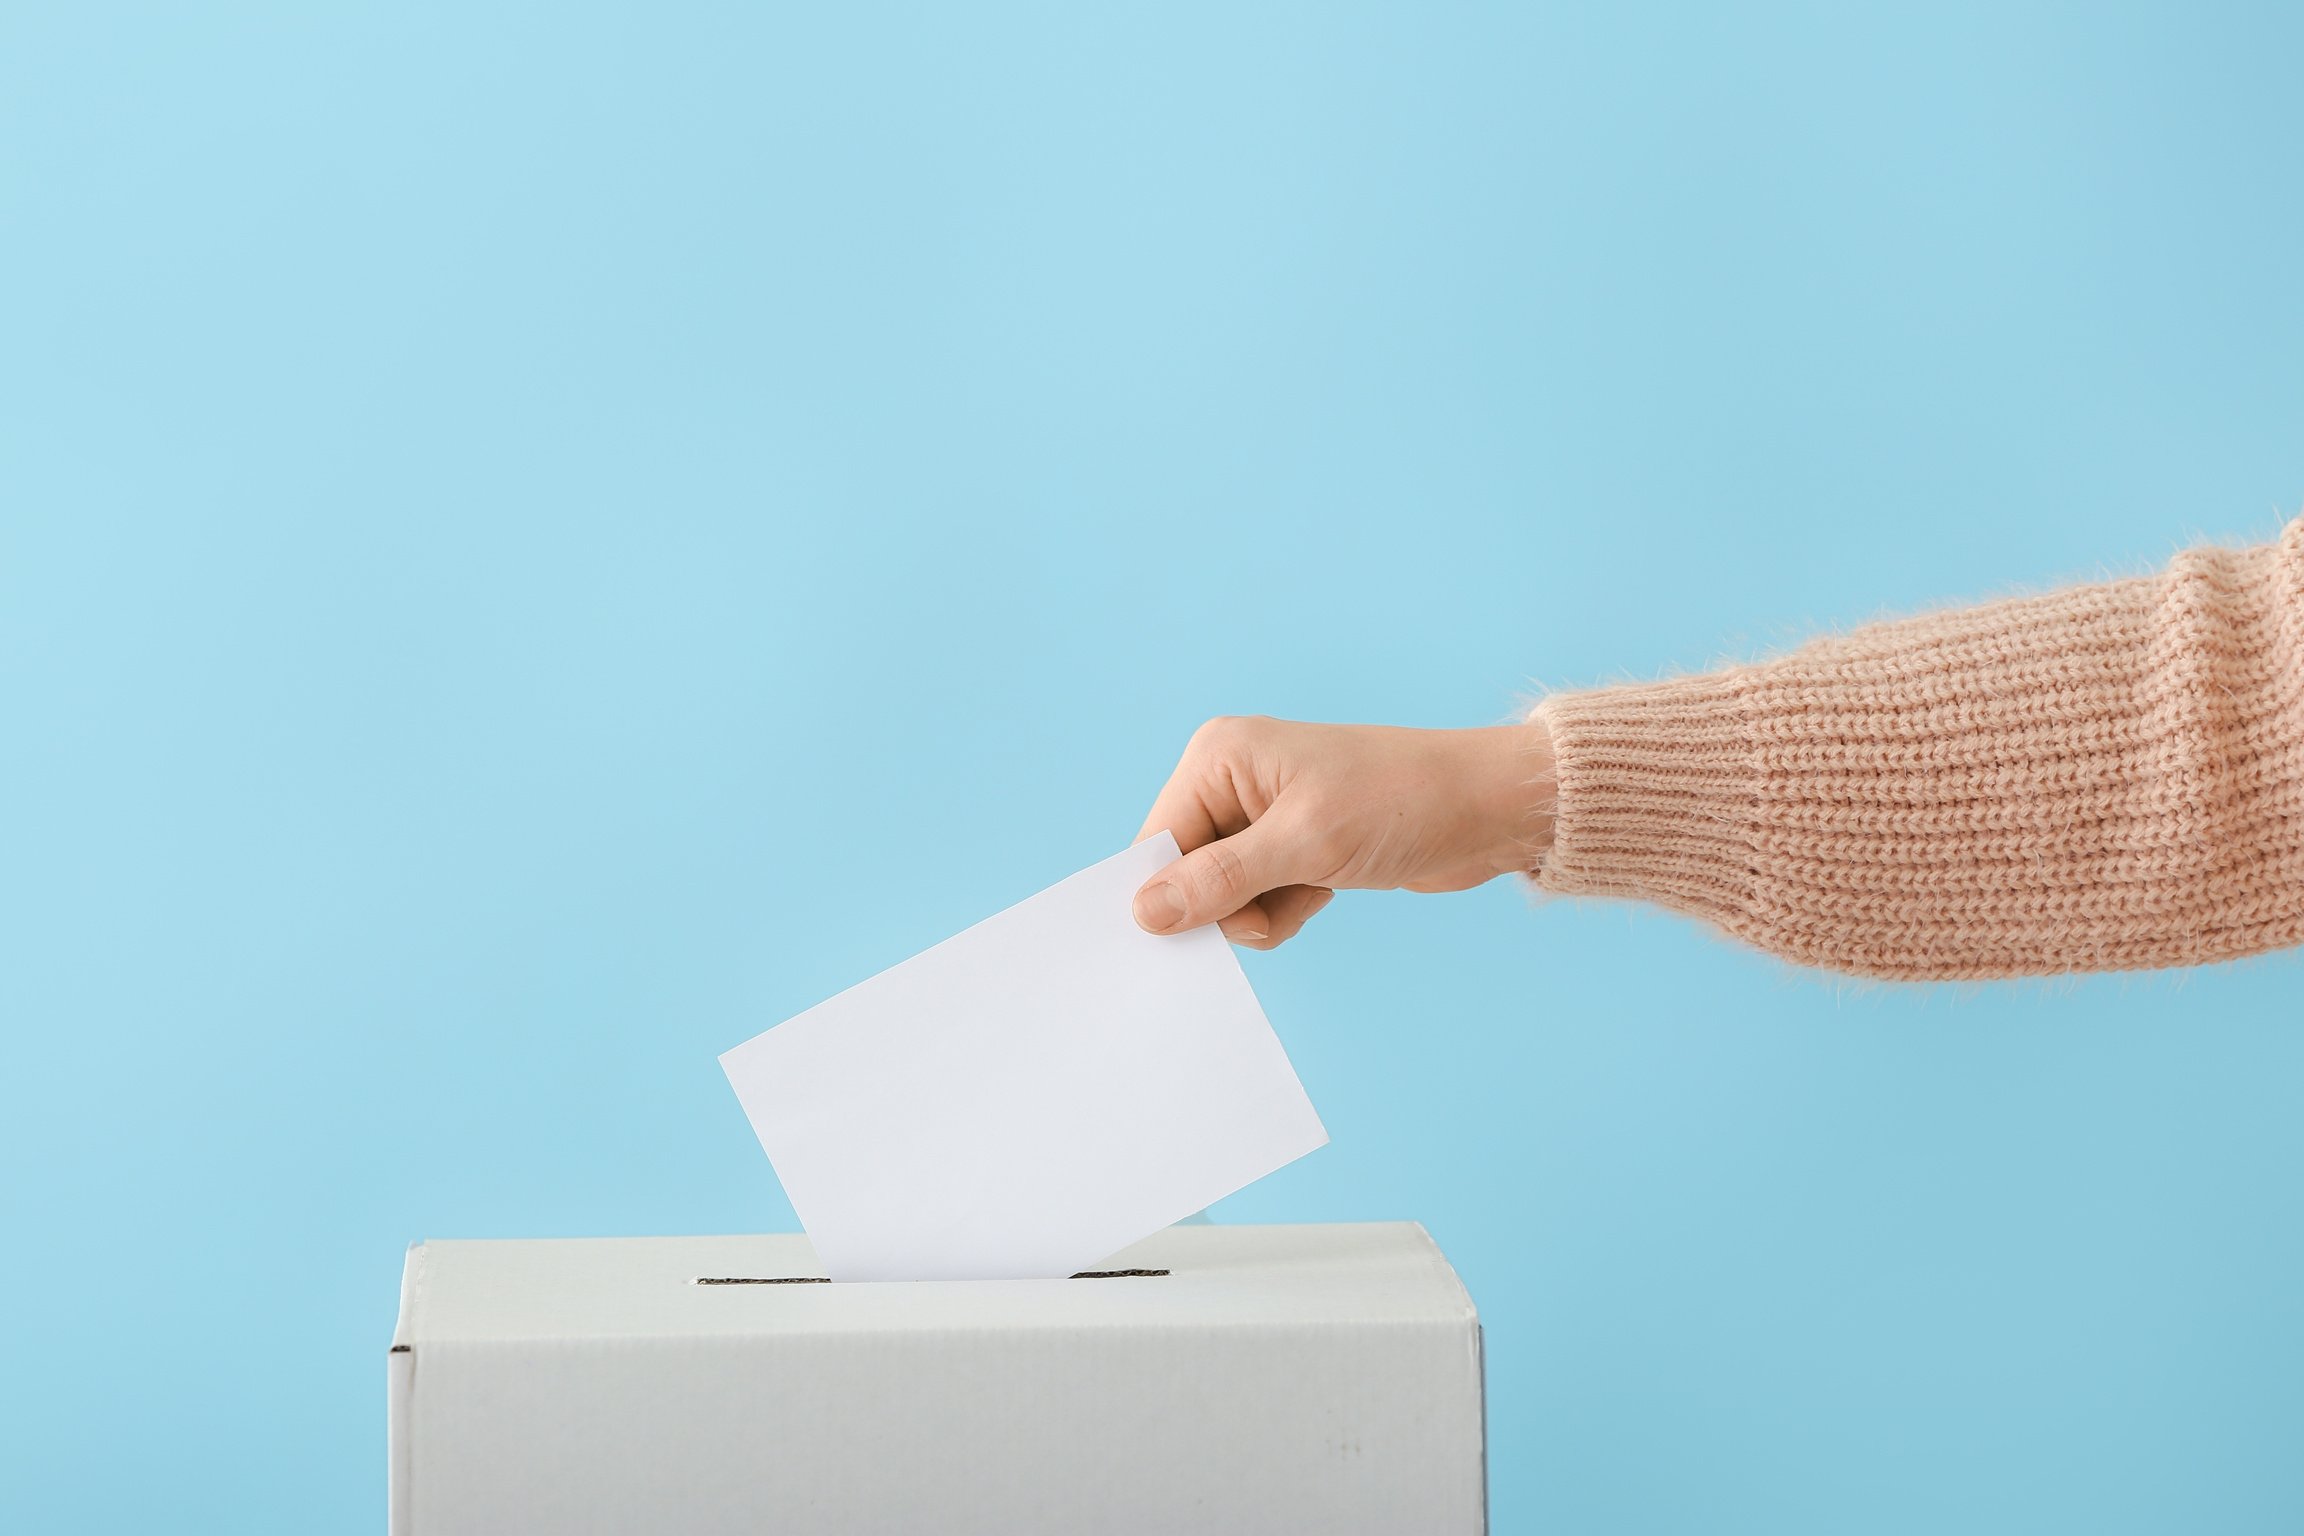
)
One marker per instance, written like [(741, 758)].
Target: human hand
[(1274, 815)]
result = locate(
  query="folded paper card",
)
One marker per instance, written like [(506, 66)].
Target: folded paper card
[(1027, 1097)]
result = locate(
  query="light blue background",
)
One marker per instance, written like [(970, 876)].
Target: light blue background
[(536, 541)]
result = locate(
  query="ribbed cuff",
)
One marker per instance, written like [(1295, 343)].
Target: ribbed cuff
[(1658, 785)]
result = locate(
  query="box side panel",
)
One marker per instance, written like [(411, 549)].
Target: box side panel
[(399, 1389), (399, 1385), (1480, 1369), (1373, 1428)]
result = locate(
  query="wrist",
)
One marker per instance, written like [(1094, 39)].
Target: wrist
[(1517, 793)]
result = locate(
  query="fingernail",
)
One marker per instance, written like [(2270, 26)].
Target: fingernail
[(1158, 907)]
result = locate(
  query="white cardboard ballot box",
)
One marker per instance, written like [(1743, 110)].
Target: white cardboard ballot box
[(1284, 1378)]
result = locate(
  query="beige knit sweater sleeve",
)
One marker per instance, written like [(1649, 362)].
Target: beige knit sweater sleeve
[(2104, 778)]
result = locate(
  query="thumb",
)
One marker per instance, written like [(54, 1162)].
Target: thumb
[(1214, 881)]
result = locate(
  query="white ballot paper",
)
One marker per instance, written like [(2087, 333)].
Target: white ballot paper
[(1027, 1097)]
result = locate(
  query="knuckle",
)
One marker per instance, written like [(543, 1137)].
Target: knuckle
[(1223, 878), (1214, 733), (1221, 733)]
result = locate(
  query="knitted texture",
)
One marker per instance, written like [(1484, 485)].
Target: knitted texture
[(2108, 777)]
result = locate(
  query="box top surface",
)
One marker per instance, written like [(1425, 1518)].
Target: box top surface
[(1299, 1276)]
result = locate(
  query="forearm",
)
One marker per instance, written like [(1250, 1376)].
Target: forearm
[(2105, 778)]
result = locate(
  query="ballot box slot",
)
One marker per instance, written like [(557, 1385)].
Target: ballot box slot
[(1086, 1274)]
